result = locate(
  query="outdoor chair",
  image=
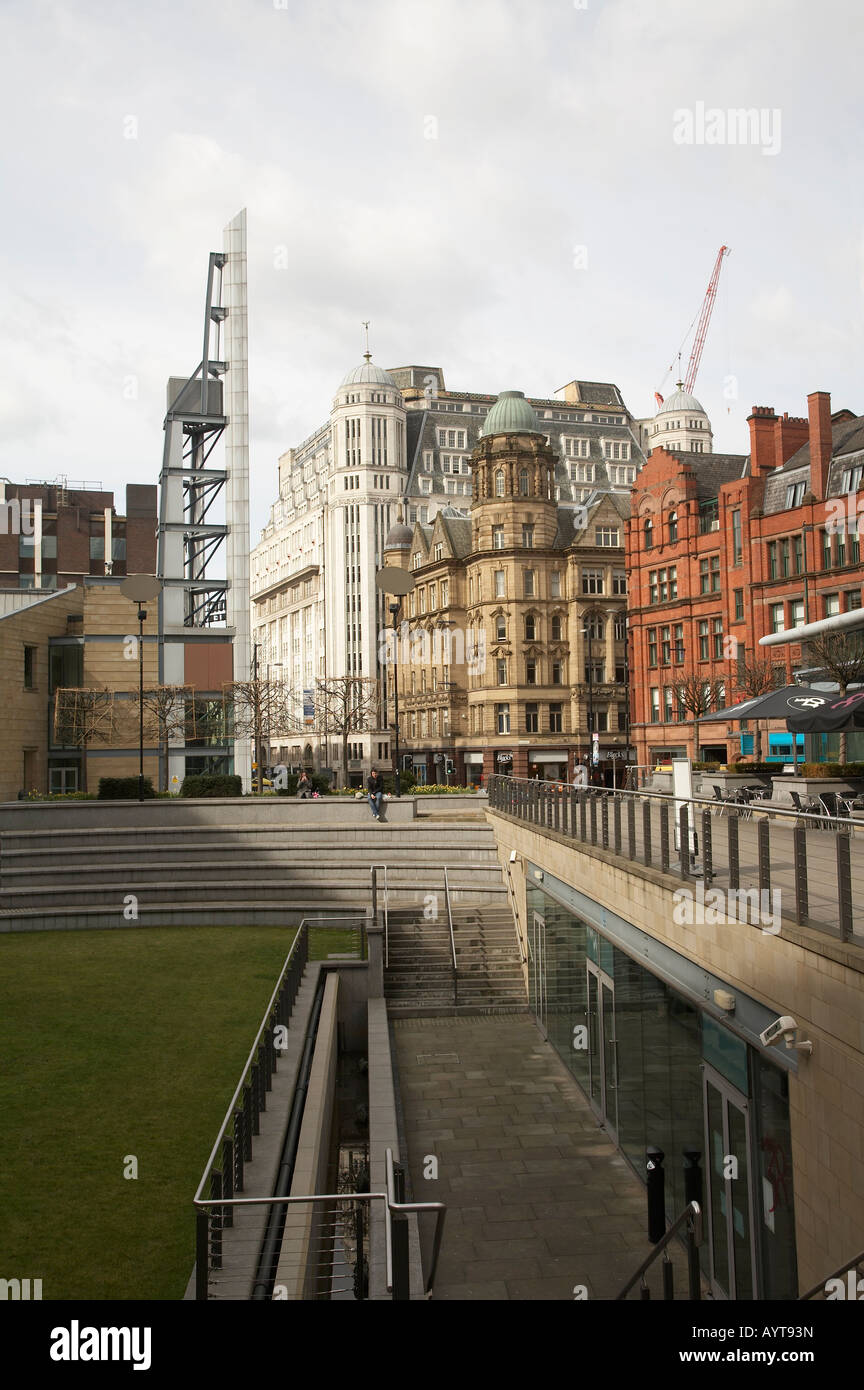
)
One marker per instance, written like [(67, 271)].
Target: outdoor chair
[(719, 800), (835, 806)]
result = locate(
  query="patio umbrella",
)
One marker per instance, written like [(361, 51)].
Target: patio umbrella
[(827, 714), (779, 704)]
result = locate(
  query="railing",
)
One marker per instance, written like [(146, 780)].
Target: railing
[(452, 938), (691, 1216), (374, 873), (321, 1261), (514, 907), (762, 858), (821, 1287)]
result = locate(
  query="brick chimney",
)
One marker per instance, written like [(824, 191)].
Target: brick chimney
[(819, 408), (761, 421), (790, 435)]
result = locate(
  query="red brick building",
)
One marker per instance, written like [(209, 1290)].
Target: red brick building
[(724, 548), (56, 534)]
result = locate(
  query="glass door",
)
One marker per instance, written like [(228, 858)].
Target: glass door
[(729, 1195), (537, 946), (602, 1048)]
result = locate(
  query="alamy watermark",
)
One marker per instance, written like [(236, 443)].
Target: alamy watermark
[(17, 517), (711, 125), (449, 646), (717, 906)]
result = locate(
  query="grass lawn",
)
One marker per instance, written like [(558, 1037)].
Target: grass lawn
[(119, 1043)]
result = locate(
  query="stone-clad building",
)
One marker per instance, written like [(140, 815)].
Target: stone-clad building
[(512, 651), (394, 440)]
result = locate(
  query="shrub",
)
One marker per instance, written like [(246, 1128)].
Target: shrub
[(760, 769), (844, 770), (123, 789), (706, 767), (212, 784)]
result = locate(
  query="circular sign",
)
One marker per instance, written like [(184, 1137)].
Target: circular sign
[(140, 587), (394, 581)]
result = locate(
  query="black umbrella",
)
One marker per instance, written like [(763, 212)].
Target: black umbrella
[(778, 704), (826, 714)]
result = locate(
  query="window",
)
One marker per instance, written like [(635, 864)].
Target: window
[(648, 530), (795, 494), (831, 605), (556, 627), (606, 535), (653, 589), (785, 556), (622, 719), (703, 639), (777, 621), (853, 599), (709, 575), (502, 718), (500, 629), (500, 588), (528, 583), (772, 559), (668, 703), (666, 646), (530, 628), (530, 671), (557, 672), (709, 518), (433, 597), (673, 527), (619, 582), (652, 646), (679, 644), (439, 551), (499, 483), (555, 718), (555, 584), (739, 604), (445, 592), (717, 634), (416, 560), (655, 704), (497, 537), (575, 448), (798, 554), (826, 550), (594, 626), (30, 668), (523, 482), (620, 626), (851, 480), (796, 611), (421, 596), (737, 548), (427, 460), (592, 581), (501, 670), (602, 721), (532, 718), (528, 537)]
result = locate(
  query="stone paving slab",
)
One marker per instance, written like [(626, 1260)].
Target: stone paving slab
[(538, 1198)]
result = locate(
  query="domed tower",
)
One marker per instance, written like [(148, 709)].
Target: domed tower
[(681, 423), (368, 424), (514, 478), (397, 545)]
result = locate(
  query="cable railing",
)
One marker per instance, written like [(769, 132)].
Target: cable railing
[(765, 855), (514, 908), (452, 938), (691, 1217), (325, 1249)]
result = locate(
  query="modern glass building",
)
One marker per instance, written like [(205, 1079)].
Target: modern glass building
[(664, 1065)]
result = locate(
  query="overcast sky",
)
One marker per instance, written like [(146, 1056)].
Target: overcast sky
[(500, 186)]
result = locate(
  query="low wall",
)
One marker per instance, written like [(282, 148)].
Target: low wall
[(240, 811)]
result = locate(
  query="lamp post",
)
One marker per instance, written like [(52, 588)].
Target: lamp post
[(396, 582), (274, 664), (256, 717), (139, 588)]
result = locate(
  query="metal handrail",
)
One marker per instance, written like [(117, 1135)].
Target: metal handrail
[(514, 907), (389, 1198), (374, 872), (452, 938), (301, 934), (690, 1216), (769, 807), (844, 1269)]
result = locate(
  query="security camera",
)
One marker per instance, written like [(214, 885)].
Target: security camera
[(785, 1027)]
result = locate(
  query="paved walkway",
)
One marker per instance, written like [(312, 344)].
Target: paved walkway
[(538, 1198)]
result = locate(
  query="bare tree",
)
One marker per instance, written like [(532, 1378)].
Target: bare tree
[(841, 656), (82, 717), (346, 705), (169, 714), (255, 707), (698, 696), (754, 676)]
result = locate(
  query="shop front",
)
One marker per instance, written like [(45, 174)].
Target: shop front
[(660, 1069), (549, 764)]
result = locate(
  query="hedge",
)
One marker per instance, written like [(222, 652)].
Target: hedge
[(212, 784), (844, 770), (123, 789), (318, 783)]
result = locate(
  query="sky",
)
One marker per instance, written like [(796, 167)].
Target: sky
[(521, 192)]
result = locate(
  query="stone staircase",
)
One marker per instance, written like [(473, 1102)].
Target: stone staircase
[(419, 979), (236, 873)]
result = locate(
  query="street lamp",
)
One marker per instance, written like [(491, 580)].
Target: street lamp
[(274, 664), (398, 582), (139, 588)]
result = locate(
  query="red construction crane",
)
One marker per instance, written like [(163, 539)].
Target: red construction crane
[(702, 326)]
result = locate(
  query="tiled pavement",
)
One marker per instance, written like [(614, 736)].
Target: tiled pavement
[(538, 1198)]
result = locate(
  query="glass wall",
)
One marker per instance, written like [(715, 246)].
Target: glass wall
[(644, 1056)]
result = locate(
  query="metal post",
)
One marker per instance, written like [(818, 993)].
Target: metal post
[(656, 1182), (202, 1253), (707, 861), (593, 813), (604, 822), (616, 821), (394, 609), (646, 831), (844, 885), (732, 827), (668, 1279), (684, 839), (631, 826), (764, 859), (799, 845), (399, 1246), (141, 616), (664, 836)]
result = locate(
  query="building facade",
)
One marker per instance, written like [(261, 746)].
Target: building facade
[(393, 439), (512, 647), (721, 551)]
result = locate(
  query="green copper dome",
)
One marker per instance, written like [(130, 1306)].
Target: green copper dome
[(511, 414)]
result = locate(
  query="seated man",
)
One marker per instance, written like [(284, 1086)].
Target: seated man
[(375, 787)]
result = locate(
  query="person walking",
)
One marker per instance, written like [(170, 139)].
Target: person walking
[(375, 788)]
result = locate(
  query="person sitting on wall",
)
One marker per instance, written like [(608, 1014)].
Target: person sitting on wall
[(375, 788), (304, 787)]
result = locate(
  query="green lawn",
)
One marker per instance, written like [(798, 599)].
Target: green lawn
[(118, 1043)]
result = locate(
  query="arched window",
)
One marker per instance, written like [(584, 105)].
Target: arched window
[(673, 526), (499, 483), (649, 533), (501, 629), (556, 627), (523, 482)]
